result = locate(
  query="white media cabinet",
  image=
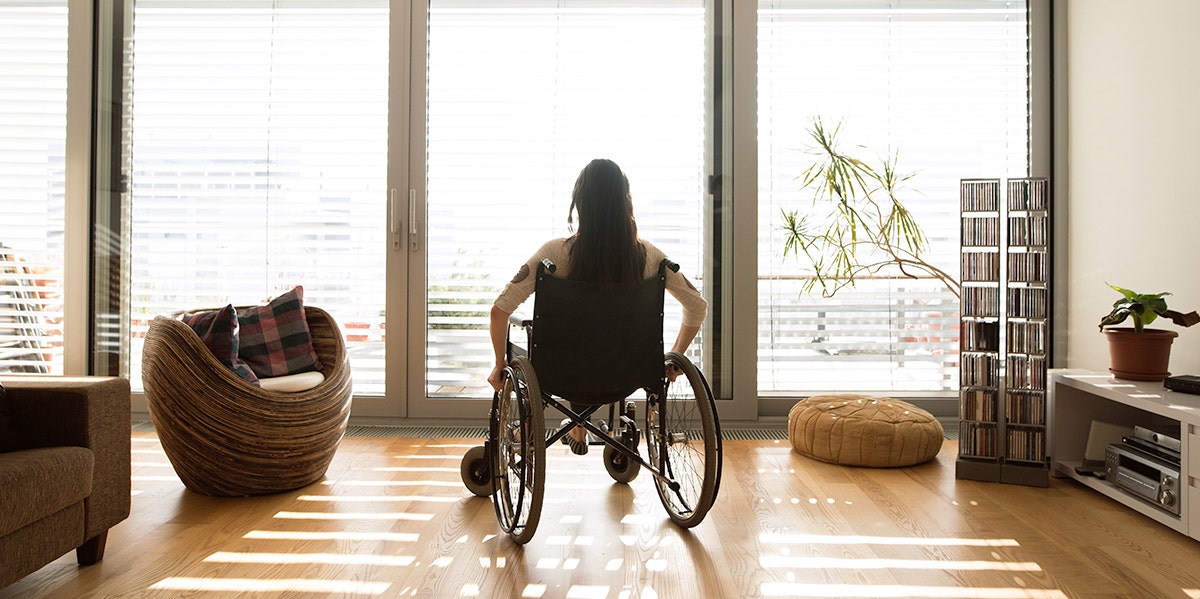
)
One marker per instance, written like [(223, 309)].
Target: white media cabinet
[(1078, 397)]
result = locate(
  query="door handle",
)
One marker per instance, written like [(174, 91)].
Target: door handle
[(394, 219), (412, 220)]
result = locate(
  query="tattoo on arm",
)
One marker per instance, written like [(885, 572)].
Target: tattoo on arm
[(522, 274)]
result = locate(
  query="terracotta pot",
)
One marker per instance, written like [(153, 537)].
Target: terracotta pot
[(1140, 356)]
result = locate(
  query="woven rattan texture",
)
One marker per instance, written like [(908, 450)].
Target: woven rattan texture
[(226, 437)]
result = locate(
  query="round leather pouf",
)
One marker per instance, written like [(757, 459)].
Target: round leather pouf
[(860, 430)]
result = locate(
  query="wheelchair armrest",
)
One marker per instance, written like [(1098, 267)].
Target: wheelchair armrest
[(518, 320)]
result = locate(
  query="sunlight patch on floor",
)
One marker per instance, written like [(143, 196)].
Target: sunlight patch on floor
[(354, 516), (794, 589), (380, 498), (232, 557), (296, 535), (266, 585), (807, 539), (779, 561)]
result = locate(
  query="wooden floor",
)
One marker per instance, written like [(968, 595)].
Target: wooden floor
[(393, 520)]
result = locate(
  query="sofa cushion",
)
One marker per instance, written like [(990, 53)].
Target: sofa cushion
[(35, 483), (275, 340), (218, 330)]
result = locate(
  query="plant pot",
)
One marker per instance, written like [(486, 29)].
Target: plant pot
[(1140, 356)]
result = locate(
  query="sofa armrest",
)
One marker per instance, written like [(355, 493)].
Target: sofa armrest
[(91, 412)]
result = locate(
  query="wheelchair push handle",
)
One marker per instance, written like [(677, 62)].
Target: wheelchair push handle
[(546, 265)]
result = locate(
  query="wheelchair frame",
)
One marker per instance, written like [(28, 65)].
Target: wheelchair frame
[(518, 445)]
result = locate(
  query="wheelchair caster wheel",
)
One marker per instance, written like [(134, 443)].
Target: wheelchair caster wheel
[(477, 472), (619, 466)]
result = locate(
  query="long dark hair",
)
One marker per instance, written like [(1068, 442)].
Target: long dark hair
[(606, 247)]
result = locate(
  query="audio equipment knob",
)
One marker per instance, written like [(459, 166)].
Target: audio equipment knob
[(1166, 498)]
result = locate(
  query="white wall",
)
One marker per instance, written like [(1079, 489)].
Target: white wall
[(1133, 166)]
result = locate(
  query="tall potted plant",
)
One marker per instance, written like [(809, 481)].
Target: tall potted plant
[(1139, 353), (857, 226)]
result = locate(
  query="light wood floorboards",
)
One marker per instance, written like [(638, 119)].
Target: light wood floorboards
[(393, 520)]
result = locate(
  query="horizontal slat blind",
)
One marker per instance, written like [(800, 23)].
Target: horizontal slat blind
[(945, 84), (521, 96), (259, 162), (33, 119)]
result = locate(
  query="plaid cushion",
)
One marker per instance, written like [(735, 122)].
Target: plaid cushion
[(275, 340), (218, 329)]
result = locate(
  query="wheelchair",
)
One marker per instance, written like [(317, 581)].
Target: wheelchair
[(591, 346)]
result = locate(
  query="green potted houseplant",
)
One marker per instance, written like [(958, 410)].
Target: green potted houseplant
[(1140, 353)]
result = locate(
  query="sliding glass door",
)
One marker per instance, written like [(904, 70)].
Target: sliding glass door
[(400, 161), (265, 144), (519, 97), (941, 90), (259, 163)]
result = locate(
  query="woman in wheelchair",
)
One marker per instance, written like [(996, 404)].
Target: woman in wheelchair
[(604, 249), (603, 266)]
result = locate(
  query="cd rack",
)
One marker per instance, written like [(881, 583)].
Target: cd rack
[(1004, 340)]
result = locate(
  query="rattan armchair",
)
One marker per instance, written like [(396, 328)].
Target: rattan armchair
[(227, 437)]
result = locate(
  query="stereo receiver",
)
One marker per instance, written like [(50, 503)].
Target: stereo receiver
[(1149, 478)]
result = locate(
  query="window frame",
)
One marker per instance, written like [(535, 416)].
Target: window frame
[(741, 401)]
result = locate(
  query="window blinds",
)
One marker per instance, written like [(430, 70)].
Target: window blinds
[(944, 84), (259, 162), (521, 96), (33, 107)]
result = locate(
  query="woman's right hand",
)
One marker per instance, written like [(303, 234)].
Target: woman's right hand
[(496, 377)]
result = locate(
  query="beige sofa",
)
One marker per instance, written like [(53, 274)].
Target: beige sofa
[(64, 479)]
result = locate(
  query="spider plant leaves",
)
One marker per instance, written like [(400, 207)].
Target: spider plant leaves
[(864, 228)]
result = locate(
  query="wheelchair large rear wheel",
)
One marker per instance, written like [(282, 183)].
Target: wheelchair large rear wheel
[(684, 443), (519, 462)]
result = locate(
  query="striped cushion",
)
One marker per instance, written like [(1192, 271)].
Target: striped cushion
[(218, 329), (275, 340)]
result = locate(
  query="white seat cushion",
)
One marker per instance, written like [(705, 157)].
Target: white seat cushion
[(291, 383)]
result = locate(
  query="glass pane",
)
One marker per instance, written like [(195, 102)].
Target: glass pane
[(941, 85), (521, 96), (33, 128), (259, 162)]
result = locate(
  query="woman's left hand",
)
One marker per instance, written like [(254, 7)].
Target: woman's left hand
[(673, 372)]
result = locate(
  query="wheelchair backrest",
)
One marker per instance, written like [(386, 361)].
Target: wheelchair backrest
[(596, 343)]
